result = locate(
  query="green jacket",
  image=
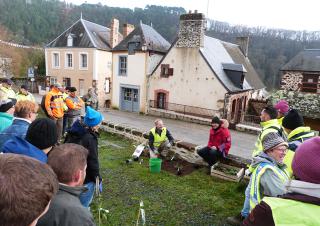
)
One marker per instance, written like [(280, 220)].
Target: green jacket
[(267, 127), (5, 120)]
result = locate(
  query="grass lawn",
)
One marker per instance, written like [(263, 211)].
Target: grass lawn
[(195, 199)]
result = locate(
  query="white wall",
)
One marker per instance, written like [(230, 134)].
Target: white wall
[(136, 76), (193, 83), (102, 70)]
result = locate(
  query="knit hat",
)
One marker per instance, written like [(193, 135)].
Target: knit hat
[(306, 161), (216, 120), (5, 105), (272, 140), (92, 117), (42, 133), (282, 106), (292, 120)]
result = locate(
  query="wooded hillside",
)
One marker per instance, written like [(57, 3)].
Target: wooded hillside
[(37, 22)]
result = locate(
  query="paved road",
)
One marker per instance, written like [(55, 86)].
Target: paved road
[(242, 143)]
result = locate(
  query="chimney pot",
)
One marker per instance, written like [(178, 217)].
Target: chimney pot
[(196, 11), (127, 29), (114, 32), (243, 43), (190, 11)]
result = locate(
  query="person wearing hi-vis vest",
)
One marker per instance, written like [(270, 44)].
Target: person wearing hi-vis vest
[(24, 94), (54, 106), (269, 172), (301, 203), (160, 139), (293, 124), (74, 104), (269, 124)]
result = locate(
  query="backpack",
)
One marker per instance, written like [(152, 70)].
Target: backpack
[(43, 107)]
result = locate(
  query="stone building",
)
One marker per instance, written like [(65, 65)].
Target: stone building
[(5, 67), (202, 76), (81, 57), (300, 85), (133, 60)]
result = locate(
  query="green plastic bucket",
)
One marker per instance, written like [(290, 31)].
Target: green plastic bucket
[(155, 165)]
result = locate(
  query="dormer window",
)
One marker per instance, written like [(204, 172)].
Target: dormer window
[(70, 41), (235, 72)]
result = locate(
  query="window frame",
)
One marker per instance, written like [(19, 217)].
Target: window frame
[(120, 64), (80, 61), (53, 60), (66, 62), (307, 86)]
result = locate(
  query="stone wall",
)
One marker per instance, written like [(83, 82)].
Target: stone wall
[(307, 103), (183, 150), (191, 31), (291, 81)]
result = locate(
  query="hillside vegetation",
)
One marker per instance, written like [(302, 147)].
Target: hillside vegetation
[(37, 22)]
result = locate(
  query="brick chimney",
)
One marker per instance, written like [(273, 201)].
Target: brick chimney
[(243, 43), (114, 32), (127, 29), (191, 31)]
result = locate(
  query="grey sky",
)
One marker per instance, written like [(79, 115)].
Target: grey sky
[(287, 14)]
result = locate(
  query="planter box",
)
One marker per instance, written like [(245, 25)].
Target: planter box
[(217, 172)]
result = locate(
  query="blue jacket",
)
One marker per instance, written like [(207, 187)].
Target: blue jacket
[(5, 120), (81, 135), (18, 128), (17, 145)]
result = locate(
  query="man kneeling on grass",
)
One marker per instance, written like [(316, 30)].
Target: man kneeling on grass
[(26, 189), (69, 162), (160, 139)]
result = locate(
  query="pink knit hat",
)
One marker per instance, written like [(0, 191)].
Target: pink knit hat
[(306, 161), (282, 106)]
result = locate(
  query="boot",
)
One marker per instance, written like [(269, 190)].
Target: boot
[(235, 220)]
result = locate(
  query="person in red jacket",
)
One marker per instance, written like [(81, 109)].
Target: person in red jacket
[(219, 142)]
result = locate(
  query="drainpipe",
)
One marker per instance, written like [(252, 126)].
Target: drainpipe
[(224, 107), (147, 94)]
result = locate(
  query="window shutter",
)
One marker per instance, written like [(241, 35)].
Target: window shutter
[(170, 72)]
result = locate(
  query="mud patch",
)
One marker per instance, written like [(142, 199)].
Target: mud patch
[(178, 167)]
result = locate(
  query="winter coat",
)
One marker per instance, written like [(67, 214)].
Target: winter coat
[(220, 138), (270, 183), (66, 210), (18, 128), (82, 135), (299, 191), (5, 120), (17, 145)]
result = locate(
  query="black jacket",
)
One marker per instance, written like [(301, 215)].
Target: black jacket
[(66, 210), (80, 134)]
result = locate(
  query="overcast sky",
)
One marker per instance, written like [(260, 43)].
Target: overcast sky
[(287, 14)]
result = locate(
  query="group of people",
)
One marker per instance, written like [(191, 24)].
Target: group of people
[(57, 181), (284, 186)]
